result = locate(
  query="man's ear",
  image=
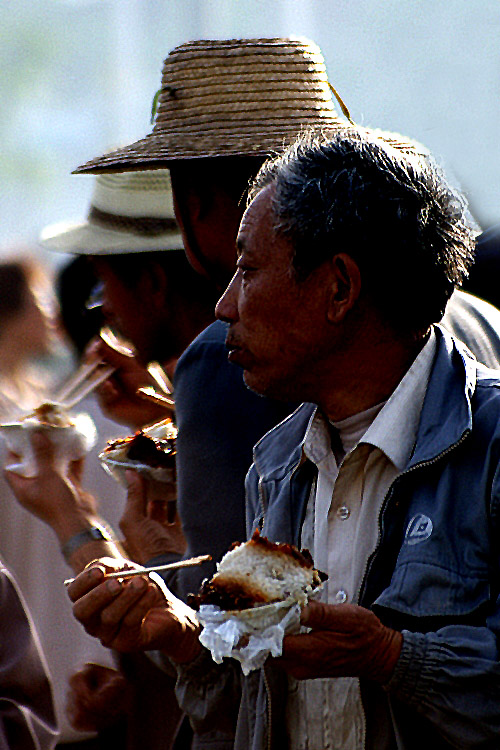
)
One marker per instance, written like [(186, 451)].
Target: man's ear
[(187, 200), (153, 285), (197, 205), (345, 286)]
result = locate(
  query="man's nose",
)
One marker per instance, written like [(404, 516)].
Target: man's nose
[(227, 306), (96, 296)]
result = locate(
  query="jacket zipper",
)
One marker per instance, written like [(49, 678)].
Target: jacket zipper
[(262, 502), (269, 710), (388, 496)]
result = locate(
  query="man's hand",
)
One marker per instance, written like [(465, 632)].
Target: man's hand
[(136, 614), (98, 697), (117, 396), (345, 641), (57, 498), (148, 529), (52, 496)]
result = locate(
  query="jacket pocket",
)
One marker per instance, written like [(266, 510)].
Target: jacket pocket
[(422, 588)]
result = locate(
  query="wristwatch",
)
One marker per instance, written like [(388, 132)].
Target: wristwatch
[(92, 534)]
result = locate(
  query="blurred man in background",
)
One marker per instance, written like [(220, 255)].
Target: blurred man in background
[(485, 272), (150, 297)]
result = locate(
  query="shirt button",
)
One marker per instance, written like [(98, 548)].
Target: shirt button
[(340, 597), (343, 512)]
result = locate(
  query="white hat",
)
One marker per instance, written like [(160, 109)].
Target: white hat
[(130, 212)]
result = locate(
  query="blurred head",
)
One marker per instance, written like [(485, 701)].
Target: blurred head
[(75, 284), (155, 300), (27, 326), (151, 294)]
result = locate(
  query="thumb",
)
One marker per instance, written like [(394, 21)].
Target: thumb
[(313, 615), (43, 450), (99, 349), (321, 616), (136, 493)]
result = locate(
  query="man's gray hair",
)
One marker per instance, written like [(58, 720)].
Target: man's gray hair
[(384, 202)]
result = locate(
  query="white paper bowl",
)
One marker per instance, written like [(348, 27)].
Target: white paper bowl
[(71, 442), (117, 468), (248, 635)]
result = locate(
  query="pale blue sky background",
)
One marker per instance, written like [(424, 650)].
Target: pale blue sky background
[(78, 76)]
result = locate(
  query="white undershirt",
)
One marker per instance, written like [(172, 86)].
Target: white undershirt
[(341, 527)]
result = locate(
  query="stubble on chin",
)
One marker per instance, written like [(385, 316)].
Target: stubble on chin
[(278, 391)]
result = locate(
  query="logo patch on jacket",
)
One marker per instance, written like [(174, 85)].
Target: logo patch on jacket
[(419, 529)]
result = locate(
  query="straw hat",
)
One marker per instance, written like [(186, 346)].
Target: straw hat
[(130, 212), (238, 97)]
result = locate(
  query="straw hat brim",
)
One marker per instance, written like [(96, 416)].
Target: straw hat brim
[(158, 151), (90, 239)]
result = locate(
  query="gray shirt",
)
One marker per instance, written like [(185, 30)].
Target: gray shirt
[(27, 718)]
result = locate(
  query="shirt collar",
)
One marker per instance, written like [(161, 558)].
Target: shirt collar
[(394, 428)]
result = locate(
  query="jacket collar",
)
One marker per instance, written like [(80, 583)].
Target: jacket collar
[(447, 409), (446, 414)]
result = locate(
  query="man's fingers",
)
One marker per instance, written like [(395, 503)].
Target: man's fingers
[(44, 451), (339, 617), (115, 610), (107, 391), (80, 685), (315, 615), (98, 349), (76, 470), (15, 482), (94, 349), (292, 654), (136, 493), (85, 582), (112, 600), (97, 696), (88, 608), (132, 604), (157, 511), (94, 574)]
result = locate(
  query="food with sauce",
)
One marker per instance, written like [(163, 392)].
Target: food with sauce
[(152, 449), (260, 572)]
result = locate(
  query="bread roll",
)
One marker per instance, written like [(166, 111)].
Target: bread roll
[(259, 572)]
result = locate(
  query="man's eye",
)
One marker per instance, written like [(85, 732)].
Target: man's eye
[(245, 271)]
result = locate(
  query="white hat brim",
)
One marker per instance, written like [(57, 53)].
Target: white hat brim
[(90, 239)]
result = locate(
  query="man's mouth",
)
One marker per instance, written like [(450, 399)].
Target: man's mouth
[(236, 353)]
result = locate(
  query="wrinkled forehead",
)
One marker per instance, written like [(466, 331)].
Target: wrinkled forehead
[(259, 213), (253, 225), (259, 243)]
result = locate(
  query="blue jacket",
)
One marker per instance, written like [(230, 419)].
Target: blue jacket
[(434, 575), (435, 572)]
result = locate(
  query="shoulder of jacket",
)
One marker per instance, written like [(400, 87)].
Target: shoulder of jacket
[(279, 448)]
